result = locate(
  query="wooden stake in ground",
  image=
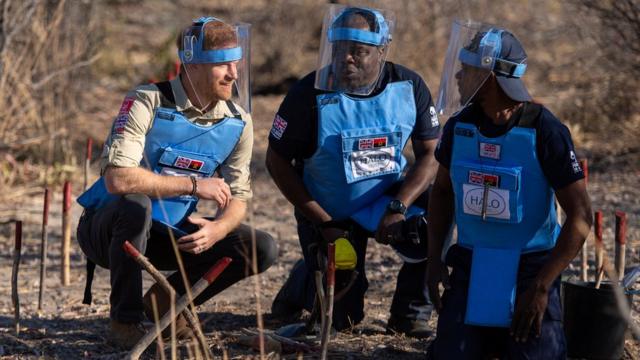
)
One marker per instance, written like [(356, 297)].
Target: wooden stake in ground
[(43, 246), (621, 234), (87, 162), (65, 270), (585, 245), (17, 252), (192, 320), (180, 305), (597, 230), (331, 285)]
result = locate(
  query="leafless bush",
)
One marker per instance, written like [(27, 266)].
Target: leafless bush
[(45, 47)]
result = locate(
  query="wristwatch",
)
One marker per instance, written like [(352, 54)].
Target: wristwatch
[(397, 207)]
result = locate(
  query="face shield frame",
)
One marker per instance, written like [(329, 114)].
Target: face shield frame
[(193, 53), (472, 55), (338, 40)]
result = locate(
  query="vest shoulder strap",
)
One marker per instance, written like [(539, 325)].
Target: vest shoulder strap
[(168, 100), (234, 110), (529, 116)]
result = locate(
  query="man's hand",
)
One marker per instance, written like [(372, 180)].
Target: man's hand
[(529, 312), (214, 189), (437, 273), (390, 228), (210, 232), (331, 234)]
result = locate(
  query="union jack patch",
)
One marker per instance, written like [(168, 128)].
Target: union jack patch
[(189, 164)]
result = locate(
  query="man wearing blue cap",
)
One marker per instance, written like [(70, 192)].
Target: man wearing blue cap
[(166, 145), (503, 161), (335, 152)]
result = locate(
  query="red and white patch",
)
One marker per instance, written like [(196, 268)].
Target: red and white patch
[(365, 144), (379, 142), (186, 163), (489, 150), (126, 105), (278, 127), (478, 178)]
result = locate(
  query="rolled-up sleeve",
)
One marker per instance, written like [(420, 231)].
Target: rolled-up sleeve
[(236, 169)]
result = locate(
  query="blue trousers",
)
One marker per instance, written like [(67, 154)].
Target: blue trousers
[(455, 340)]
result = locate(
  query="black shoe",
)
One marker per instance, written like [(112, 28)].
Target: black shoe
[(418, 329)]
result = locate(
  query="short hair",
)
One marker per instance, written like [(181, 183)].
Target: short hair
[(348, 15), (217, 35)]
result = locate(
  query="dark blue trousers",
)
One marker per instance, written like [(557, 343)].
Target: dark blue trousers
[(410, 299), (455, 340), (101, 234)]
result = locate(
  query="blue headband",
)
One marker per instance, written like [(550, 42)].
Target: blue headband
[(194, 53), (381, 37), (492, 40)]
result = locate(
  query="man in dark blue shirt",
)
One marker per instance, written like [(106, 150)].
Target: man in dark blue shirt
[(335, 152), (503, 161)]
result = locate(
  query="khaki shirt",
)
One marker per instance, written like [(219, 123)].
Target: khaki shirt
[(125, 145)]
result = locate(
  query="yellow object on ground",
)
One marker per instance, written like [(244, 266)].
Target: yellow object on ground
[(346, 257)]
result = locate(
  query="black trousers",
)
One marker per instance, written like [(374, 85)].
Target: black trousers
[(102, 233)]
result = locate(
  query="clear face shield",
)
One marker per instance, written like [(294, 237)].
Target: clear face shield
[(471, 56), (354, 45), (222, 51)]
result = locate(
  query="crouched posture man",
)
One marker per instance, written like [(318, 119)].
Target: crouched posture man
[(335, 152), (502, 159), (166, 144)]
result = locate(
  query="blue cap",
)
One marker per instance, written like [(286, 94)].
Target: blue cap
[(510, 61), (379, 35)]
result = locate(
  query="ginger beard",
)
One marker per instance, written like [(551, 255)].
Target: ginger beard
[(212, 82)]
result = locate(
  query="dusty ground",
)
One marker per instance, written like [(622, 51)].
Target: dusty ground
[(68, 329)]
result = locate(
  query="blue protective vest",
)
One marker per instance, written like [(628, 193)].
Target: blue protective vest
[(519, 216), (359, 150), (175, 146)]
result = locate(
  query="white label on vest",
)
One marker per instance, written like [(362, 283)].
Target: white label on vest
[(373, 162), (497, 204), (168, 171), (489, 150)]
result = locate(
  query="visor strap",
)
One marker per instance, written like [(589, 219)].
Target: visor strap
[(212, 56), (510, 68), (351, 34)]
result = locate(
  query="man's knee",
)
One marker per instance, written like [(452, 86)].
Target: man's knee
[(266, 250), (135, 206)]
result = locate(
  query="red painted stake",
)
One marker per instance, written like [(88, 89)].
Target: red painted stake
[(585, 246), (620, 245), (17, 253), (43, 246), (331, 282), (65, 270)]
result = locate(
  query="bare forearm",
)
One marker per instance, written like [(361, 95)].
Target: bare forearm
[(142, 181), (292, 187), (576, 204), (572, 236), (232, 215), (417, 180)]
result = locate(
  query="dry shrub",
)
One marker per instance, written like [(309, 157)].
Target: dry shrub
[(45, 48)]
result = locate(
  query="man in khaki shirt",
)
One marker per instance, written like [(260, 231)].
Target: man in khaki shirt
[(167, 143)]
